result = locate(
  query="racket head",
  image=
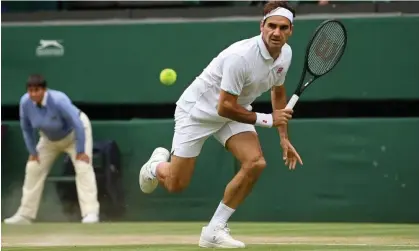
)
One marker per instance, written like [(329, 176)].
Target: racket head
[(326, 47)]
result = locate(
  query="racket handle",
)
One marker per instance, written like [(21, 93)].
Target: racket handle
[(292, 102)]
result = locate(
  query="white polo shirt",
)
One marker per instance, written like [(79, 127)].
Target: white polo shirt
[(245, 69)]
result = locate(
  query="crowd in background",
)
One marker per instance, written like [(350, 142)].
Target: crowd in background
[(31, 6)]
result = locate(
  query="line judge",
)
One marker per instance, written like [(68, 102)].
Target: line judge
[(62, 128)]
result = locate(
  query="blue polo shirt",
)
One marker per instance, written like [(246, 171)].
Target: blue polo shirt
[(57, 117)]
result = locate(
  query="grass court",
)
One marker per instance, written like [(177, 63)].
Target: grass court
[(179, 236)]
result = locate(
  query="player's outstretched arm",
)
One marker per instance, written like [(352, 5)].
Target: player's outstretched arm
[(279, 101), (290, 154)]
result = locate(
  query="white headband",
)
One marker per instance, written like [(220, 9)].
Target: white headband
[(280, 12)]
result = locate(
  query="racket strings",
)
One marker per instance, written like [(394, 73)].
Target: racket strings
[(338, 38), (327, 48)]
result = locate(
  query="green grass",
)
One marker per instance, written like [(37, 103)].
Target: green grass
[(179, 228), (159, 236), (193, 248)]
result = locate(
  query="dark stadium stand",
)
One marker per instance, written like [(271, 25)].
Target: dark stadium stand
[(88, 10)]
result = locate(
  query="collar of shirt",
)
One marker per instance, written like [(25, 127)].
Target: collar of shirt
[(265, 53), (44, 99)]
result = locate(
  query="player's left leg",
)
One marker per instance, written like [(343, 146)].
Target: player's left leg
[(242, 141), (85, 175)]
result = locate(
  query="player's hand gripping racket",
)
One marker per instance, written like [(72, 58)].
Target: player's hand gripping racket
[(323, 53)]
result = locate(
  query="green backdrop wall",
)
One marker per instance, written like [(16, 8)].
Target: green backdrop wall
[(354, 170), (120, 63)]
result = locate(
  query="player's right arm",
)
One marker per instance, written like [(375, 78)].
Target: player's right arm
[(234, 77), (232, 82), (228, 108), (27, 129)]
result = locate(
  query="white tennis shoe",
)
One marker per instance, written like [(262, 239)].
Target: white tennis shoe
[(219, 237), (148, 182), (17, 220), (90, 218)]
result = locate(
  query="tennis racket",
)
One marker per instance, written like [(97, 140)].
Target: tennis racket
[(323, 53)]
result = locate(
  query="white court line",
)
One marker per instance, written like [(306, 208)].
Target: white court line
[(52, 244), (374, 250), (337, 244)]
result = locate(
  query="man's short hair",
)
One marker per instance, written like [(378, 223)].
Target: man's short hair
[(36, 80), (272, 5)]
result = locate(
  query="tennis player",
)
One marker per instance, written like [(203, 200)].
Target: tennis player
[(218, 103), (62, 128)]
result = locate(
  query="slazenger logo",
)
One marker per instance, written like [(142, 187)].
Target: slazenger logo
[(50, 48)]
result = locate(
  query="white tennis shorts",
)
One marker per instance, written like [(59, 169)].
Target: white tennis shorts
[(190, 134)]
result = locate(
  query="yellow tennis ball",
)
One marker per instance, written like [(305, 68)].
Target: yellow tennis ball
[(168, 76)]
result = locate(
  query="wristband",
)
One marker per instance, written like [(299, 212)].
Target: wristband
[(264, 120)]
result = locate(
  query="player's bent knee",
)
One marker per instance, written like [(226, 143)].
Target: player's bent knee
[(255, 165), (259, 164)]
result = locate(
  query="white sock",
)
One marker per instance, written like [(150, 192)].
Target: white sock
[(221, 215)]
